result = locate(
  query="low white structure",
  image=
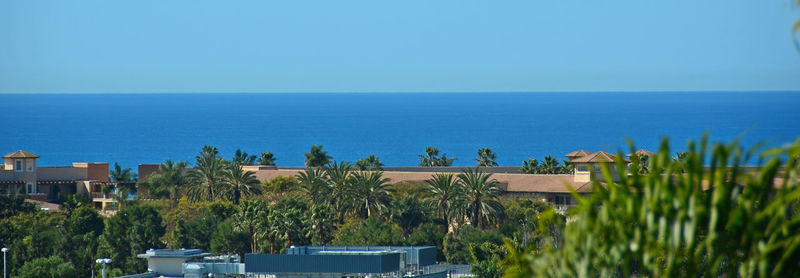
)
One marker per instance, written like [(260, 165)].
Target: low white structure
[(169, 262)]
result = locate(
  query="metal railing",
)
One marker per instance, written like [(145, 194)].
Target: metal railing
[(101, 195)]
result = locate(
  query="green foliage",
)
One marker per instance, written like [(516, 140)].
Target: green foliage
[(428, 234), (405, 188), (368, 193), (13, 205), (267, 158), (457, 244), (681, 220), (486, 157), (281, 184), (319, 222), (446, 195), (372, 232), (314, 185), (85, 220), (250, 219), (369, 163), (168, 181), (227, 240), (521, 219), (132, 231), (317, 157), (338, 182), (207, 177), (238, 183), (486, 259), (222, 210), (409, 213), (480, 193), (242, 158), (431, 158), (550, 165), (122, 175), (196, 233), (52, 266), (286, 219)]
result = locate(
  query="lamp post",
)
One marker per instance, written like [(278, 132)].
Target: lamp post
[(5, 251), (104, 262)]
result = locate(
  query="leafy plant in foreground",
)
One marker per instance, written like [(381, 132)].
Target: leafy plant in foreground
[(680, 220)]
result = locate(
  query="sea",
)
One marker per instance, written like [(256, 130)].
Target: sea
[(134, 129)]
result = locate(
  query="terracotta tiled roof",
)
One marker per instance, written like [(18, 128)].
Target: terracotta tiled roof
[(20, 154), (578, 153), (641, 152), (596, 158), (542, 183)]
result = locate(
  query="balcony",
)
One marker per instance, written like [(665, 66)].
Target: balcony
[(101, 195)]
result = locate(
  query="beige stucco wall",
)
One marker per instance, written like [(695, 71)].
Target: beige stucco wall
[(583, 176), (82, 188)]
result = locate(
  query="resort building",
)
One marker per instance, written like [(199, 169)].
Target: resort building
[(20, 174)]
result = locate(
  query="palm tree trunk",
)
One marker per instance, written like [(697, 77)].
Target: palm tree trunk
[(366, 205), (272, 245), (236, 195)]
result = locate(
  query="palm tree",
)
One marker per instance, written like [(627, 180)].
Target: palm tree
[(486, 157), (267, 158), (443, 193), (431, 158), (206, 178), (338, 182), (250, 219), (121, 175), (530, 167), (409, 213), (568, 167), (317, 157), (444, 161), (240, 182), (369, 193), (369, 163), (169, 179), (320, 224), (243, 158), (480, 194), (286, 220), (550, 165), (313, 182)]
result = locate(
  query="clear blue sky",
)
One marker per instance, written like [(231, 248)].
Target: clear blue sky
[(390, 46)]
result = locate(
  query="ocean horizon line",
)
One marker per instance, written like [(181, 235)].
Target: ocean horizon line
[(408, 92)]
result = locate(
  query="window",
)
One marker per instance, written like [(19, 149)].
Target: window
[(30, 165), (31, 189), (597, 168), (18, 166), (583, 168), (563, 200)]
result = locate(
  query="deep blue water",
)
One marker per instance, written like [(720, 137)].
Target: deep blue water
[(150, 128)]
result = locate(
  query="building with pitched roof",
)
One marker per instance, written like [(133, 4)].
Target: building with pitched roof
[(21, 174)]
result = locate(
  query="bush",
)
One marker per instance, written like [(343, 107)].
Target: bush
[(457, 244), (681, 220), (47, 267), (373, 232)]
